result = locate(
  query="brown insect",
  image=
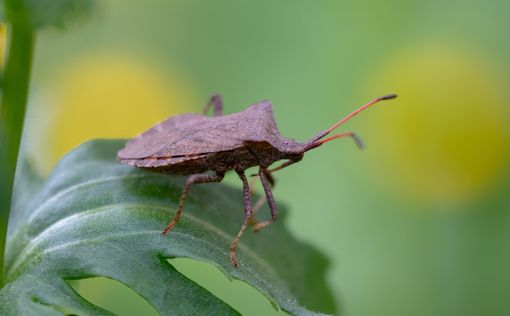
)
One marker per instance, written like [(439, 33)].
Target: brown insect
[(193, 144)]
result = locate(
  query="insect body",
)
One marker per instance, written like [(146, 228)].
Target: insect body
[(193, 144)]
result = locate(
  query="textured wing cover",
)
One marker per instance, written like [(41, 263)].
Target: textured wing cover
[(194, 134)]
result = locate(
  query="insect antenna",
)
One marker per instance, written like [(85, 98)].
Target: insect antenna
[(318, 139)]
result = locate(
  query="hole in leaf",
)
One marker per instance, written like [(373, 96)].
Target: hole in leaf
[(241, 296), (113, 296)]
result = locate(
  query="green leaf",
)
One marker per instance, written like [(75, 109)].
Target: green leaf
[(96, 217), (40, 13)]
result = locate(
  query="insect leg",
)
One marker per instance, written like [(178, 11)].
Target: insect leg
[(262, 200), (269, 172), (270, 200), (283, 165), (217, 104), (247, 216), (193, 179)]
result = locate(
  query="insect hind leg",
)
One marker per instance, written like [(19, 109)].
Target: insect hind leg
[(193, 179), (217, 104)]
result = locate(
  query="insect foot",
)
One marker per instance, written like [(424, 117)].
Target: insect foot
[(188, 144)]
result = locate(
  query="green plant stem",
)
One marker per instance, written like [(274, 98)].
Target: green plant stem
[(12, 113)]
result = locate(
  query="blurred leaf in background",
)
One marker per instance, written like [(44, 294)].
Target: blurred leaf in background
[(418, 223), (42, 13)]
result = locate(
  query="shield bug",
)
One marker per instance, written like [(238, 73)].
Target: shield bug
[(194, 144)]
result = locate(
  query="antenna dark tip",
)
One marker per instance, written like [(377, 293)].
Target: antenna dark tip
[(358, 141), (388, 97)]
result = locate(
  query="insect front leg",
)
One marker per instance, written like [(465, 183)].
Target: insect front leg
[(193, 179), (247, 216), (283, 165), (217, 105), (270, 200), (262, 200)]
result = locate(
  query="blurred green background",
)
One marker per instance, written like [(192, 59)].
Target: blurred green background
[(417, 224)]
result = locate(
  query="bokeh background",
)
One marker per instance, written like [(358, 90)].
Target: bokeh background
[(417, 224)]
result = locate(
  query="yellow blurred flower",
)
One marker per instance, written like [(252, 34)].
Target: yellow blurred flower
[(109, 96), (3, 39), (447, 138)]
